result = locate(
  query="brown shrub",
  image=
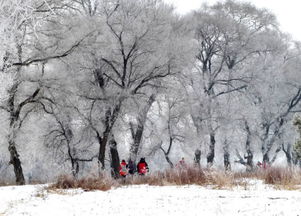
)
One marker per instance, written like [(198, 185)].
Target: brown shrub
[(190, 175), (282, 176), (65, 182), (103, 183), (276, 176)]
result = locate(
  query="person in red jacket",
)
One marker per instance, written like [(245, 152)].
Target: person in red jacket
[(123, 169), (142, 167), (182, 164)]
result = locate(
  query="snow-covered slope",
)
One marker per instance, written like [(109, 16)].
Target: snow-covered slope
[(149, 200)]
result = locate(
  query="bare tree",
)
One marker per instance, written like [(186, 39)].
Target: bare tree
[(229, 35), (24, 56), (138, 55)]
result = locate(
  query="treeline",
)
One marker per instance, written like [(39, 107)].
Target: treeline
[(84, 83)]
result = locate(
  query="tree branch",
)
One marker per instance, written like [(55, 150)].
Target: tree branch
[(64, 54), (231, 90)]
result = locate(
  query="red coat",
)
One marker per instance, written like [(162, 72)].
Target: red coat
[(142, 167), (123, 169)]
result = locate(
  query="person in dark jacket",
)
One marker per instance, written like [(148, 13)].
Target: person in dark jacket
[(131, 167), (142, 167)]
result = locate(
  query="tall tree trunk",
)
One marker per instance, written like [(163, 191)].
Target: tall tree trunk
[(227, 164), (249, 156), (166, 153), (289, 159), (266, 158), (75, 167), (68, 134), (269, 143), (115, 161), (275, 154), (137, 137), (168, 160), (15, 161), (288, 153), (249, 164), (197, 157), (111, 117), (14, 118), (294, 158), (138, 131), (210, 155), (102, 147)]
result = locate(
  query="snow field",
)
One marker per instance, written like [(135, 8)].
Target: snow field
[(145, 200)]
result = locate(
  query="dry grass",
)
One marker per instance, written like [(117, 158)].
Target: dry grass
[(278, 176), (281, 178), (221, 180), (171, 177), (102, 182), (3, 183)]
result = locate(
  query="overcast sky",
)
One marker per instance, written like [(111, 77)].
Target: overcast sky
[(288, 12)]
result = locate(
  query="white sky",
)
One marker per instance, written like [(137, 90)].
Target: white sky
[(288, 12)]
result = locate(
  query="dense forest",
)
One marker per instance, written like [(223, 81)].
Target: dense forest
[(86, 83)]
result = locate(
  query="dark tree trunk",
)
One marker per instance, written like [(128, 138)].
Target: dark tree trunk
[(15, 161), (68, 134), (289, 159), (75, 167), (197, 157), (115, 161), (138, 132), (102, 148), (169, 161), (288, 154), (14, 117), (14, 125), (210, 156), (137, 137), (266, 158), (294, 158), (227, 164), (249, 164), (166, 153), (110, 120), (249, 156)]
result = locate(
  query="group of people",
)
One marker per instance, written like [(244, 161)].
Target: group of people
[(142, 167), (130, 168)]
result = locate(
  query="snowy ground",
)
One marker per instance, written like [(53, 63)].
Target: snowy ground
[(145, 200)]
